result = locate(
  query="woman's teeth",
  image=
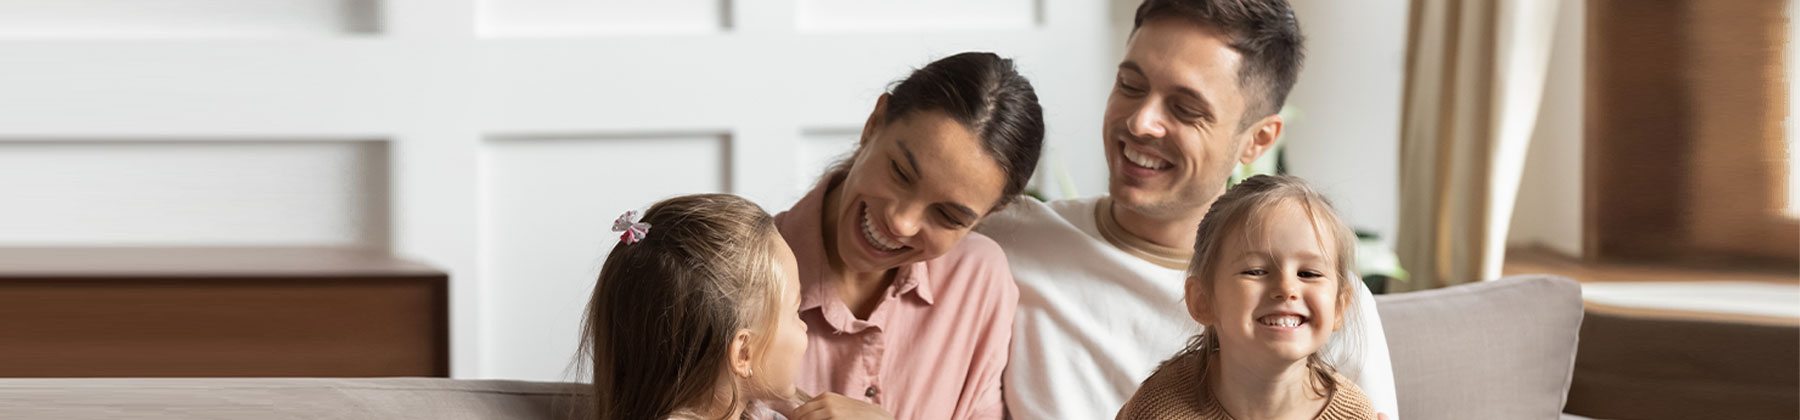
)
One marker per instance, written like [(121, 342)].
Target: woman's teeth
[(1144, 160), (878, 240), (1282, 320)]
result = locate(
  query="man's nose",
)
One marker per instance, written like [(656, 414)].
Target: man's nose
[(1147, 121)]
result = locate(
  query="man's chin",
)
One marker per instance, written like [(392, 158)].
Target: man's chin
[(1152, 202), (1135, 197)]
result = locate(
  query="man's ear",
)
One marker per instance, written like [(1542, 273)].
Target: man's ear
[(1199, 305), (742, 362), (1262, 138), (876, 119)]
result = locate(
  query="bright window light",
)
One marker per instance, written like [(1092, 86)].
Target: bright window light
[(1793, 146)]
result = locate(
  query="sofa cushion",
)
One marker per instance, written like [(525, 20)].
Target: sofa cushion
[(375, 398), (1501, 349)]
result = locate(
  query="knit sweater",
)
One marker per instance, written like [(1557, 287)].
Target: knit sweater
[(1171, 394)]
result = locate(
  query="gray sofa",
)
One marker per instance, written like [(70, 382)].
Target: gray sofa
[(1495, 350)]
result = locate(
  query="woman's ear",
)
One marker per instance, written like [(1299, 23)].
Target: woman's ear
[(876, 119), (742, 362), (1199, 305)]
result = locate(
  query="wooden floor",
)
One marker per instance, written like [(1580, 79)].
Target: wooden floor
[(1544, 261)]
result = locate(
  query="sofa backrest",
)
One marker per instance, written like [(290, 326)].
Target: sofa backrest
[(1501, 349), (284, 398)]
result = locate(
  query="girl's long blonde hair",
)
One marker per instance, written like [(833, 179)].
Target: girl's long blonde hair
[(1230, 214), (665, 310)]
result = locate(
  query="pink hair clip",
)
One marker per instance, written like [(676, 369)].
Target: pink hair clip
[(634, 230)]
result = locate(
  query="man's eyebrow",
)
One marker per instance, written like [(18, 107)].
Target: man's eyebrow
[(910, 160), (1200, 99)]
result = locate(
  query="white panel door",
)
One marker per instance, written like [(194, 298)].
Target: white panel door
[(495, 139)]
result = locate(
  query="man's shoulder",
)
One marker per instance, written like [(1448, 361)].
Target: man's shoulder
[(985, 267), (1025, 219)]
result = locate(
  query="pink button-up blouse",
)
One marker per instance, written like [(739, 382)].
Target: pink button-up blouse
[(936, 346)]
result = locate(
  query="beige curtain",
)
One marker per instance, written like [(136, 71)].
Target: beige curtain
[(1474, 79)]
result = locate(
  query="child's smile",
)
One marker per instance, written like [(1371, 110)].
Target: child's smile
[(1282, 320)]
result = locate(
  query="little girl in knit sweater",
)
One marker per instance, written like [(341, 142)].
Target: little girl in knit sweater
[(1269, 281)]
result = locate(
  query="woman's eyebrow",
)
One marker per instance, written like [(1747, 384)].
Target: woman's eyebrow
[(910, 160), (965, 210), (967, 213)]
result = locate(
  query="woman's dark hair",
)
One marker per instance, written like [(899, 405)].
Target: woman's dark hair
[(665, 310), (985, 94)]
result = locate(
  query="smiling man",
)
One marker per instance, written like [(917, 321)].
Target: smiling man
[(1100, 279)]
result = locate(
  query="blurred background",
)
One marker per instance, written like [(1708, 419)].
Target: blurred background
[(1640, 144)]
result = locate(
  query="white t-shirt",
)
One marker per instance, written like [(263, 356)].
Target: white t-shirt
[(1094, 321)]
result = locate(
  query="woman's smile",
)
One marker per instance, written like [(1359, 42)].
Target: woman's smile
[(875, 238)]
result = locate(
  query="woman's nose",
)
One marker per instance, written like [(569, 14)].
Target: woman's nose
[(906, 220)]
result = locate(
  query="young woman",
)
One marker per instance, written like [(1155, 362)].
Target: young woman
[(909, 313)]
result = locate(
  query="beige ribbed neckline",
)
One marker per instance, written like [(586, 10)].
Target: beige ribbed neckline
[(1166, 257)]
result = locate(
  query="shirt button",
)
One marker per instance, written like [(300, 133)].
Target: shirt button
[(870, 392)]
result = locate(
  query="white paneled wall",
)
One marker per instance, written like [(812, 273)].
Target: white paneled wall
[(495, 139), (295, 193), (185, 18), (602, 17), (1345, 136), (550, 204), (819, 149), (888, 15)]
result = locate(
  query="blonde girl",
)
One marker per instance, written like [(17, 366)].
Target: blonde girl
[(1270, 282)]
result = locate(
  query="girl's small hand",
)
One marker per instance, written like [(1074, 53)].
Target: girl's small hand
[(788, 407), (834, 406)]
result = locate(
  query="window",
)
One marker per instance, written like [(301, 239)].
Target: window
[(1686, 133)]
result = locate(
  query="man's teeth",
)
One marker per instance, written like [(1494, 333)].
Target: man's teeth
[(1281, 321), (878, 240), (1144, 160)]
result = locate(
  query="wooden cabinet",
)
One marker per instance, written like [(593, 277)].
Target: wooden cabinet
[(220, 312)]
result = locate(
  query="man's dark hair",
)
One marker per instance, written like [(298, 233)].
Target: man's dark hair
[(1265, 32)]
